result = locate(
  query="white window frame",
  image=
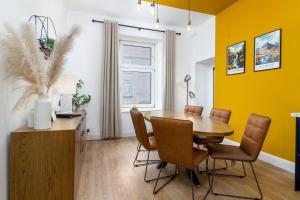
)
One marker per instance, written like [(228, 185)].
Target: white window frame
[(138, 68)]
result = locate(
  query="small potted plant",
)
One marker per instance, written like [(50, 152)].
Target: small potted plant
[(80, 100)]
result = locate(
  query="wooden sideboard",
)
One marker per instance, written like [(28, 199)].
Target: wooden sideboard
[(46, 165)]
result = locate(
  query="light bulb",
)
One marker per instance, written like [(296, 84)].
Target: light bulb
[(157, 23), (189, 26), (139, 6)]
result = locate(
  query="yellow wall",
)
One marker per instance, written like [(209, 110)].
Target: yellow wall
[(275, 93)]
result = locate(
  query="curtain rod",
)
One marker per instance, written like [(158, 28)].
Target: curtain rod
[(136, 27)]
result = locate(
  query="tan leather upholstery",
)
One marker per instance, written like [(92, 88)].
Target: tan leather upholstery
[(255, 134), (141, 131), (174, 139), (218, 114), (256, 130), (228, 152), (196, 110)]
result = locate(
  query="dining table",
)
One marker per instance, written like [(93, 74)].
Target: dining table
[(202, 127)]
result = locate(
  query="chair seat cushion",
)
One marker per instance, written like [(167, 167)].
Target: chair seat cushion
[(206, 140), (152, 143), (199, 155), (228, 152)]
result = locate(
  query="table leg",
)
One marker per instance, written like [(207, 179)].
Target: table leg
[(195, 178)]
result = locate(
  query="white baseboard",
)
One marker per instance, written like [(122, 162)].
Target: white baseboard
[(98, 137), (269, 158)]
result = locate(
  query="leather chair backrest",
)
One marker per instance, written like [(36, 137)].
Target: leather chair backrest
[(196, 110), (220, 114), (140, 127), (174, 140), (254, 135)]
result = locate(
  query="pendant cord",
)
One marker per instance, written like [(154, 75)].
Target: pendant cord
[(189, 10), (157, 10)]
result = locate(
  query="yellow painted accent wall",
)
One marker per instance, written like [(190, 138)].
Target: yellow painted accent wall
[(275, 93), (204, 6)]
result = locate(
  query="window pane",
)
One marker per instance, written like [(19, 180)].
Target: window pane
[(136, 88), (136, 55)]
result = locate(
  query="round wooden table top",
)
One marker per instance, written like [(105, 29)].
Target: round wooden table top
[(202, 126)]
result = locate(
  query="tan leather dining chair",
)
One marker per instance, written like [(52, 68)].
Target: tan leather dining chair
[(217, 114), (143, 138), (254, 135), (195, 110), (146, 140), (174, 140)]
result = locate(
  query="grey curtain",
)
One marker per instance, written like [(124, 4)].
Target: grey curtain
[(110, 104), (170, 43)]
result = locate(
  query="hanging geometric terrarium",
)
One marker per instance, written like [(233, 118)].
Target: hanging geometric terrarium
[(46, 32)]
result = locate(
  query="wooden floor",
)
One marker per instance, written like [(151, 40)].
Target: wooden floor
[(108, 174)]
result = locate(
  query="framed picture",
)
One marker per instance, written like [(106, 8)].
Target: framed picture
[(236, 58), (267, 51)]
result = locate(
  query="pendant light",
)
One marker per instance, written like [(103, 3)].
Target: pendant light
[(139, 5), (157, 18), (189, 25), (152, 8)]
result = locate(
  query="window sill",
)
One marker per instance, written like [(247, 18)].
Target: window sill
[(127, 110)]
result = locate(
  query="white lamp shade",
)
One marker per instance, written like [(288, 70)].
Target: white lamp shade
[(66, 84)]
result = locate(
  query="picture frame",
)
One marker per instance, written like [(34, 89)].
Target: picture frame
[(236, 58), (267, 51)]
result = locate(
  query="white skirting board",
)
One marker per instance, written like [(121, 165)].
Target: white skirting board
[(271, 159)]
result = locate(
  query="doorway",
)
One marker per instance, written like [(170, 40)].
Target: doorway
[(204, 86)]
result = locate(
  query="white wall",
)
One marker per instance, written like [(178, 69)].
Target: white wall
[(193, 48), (87, 60), (204, 87), (14, 12)]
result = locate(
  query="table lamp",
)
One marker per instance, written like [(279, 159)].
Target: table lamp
[(66, 87)]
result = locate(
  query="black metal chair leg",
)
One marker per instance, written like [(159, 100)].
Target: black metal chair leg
[(236, 196), (193, 186), (212, 177), (147, 167), (142, 162), (260, 193), (232, 175), (155, 191), (146, 170), (209, 183), (191, 174), (209, 170), (245, 174), (137, 153)]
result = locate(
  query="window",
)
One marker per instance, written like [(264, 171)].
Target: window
[(137, 66)]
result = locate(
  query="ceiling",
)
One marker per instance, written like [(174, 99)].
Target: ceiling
[(127, 9), (212, 7)]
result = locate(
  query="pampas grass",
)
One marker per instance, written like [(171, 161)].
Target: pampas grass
[(57, 58), (25, 63)]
